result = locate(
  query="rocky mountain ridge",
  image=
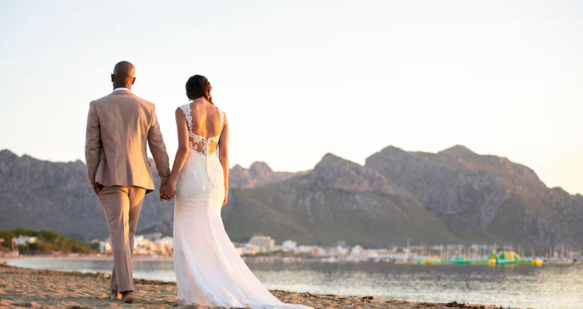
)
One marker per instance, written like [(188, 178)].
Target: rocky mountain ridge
[(258, 174), (453, 196)]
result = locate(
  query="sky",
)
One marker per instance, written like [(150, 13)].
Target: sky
[(299, 79)]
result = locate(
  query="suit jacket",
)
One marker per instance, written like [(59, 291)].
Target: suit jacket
[(118, 127)]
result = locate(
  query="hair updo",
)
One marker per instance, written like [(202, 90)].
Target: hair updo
[(199, 86)]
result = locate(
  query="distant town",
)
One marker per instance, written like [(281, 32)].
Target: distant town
[(264, 248)]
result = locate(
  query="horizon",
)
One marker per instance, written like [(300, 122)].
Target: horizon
[(299, 80)]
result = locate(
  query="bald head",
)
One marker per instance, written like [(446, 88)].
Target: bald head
[(123, 75)]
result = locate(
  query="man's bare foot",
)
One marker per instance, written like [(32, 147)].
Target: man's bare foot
[(113, 295), (127, 297)]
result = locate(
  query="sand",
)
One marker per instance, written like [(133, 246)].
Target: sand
[(31, 288)]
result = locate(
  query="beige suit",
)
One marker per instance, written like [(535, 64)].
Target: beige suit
[(118, 127)]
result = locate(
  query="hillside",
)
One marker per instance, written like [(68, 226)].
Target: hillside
[(454, 196), (484, 197)]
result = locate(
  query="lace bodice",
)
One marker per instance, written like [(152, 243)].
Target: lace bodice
[(201, 144)]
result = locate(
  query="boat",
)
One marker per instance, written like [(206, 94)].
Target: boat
[(504, 258)]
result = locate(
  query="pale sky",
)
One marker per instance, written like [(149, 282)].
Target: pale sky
[(299, 79)]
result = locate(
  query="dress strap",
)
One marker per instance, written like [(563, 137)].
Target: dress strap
[(186, 110), (222, 116)]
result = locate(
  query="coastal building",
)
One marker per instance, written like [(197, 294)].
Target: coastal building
[(158, 246), (357, 254), (264, 243), (311, 250), (169, 241), (249, 249), (149, 244), (23, 240), (357, 250), (338, 251), (105, 246), (289, 245)]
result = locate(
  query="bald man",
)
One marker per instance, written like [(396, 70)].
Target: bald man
[(118, 127)]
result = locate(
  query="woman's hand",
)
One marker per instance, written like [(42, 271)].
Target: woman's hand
[(226, 195), (168, 192)]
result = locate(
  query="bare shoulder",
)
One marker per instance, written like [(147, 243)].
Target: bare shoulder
[(224, 116), (179, 112), (183, 109)]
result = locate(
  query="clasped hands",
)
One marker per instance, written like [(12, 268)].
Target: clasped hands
[(167, 192)]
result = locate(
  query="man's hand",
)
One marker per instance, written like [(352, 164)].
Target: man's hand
[(168, 192)]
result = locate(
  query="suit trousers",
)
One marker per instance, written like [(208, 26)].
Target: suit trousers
[(122, 205)]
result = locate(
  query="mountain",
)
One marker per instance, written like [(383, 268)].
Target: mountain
[(454, 196), (484, 197), (338, 200), (45, 195), (258, 174)]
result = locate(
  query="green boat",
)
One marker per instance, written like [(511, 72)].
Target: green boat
[(504, 258)]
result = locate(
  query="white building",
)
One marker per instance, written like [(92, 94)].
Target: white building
[(357, 250), (357, 254), (167, 241), (104, 247), (144, 245), (158, 246), (311, 250), (23, 240), (264, 243), (289, 245), (338, 251), (250, 249)]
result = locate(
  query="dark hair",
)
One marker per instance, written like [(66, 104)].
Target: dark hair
[(199, 86)]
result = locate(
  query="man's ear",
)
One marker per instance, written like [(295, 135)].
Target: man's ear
[(133, 81), (112, 78)]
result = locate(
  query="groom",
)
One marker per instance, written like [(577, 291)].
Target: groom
[(118, 169)]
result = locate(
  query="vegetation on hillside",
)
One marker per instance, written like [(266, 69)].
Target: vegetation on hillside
[(47, 242)]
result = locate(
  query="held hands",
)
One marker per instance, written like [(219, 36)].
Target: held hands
[(167, 192)]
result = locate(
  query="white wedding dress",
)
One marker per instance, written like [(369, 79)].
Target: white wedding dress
[(209, 271)]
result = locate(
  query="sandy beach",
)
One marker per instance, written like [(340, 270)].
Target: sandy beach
[(31, 288)]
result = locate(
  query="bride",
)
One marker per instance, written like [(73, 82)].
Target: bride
[(209, 271)]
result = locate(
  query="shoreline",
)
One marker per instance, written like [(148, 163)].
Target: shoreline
[(37, 288), (85, 257)]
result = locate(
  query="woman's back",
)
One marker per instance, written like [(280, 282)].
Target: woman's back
[(206, 119), (205, 123)]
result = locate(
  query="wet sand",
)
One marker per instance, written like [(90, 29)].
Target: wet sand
[(31, 288)]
